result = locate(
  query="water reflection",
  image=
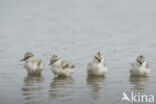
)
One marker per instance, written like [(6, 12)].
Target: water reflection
[(61, 87), (139, 83), (32, 89), (97, 85)]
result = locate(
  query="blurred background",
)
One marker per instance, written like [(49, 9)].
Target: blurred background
[(75, 30)]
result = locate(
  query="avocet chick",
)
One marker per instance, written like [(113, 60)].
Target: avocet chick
[(97, 66), (140, 68), (33, 65), (61, 67)]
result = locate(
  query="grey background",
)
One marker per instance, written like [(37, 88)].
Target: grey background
[(75, 30)]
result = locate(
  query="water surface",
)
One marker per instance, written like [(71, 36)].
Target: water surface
[(75, 30)]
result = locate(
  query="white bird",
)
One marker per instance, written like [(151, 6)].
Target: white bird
[(33, 65), (97, 67), (61, 67), (140, 67)]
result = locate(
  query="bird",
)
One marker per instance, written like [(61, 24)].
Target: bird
[(140, 67), (33, 65), (97, 67), (61, 67)]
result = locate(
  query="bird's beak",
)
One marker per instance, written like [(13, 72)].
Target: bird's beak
[(22, 60), (50, 64), (100, 61), (139, 62)]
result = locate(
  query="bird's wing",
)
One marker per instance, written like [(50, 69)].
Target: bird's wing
[(65, 64)]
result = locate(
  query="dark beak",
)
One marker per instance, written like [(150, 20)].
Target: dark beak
[(22, 60), (140, 62), (50, 64), (99, 61)]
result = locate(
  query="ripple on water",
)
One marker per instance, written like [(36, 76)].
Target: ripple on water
[(32, 87), (61, 87), (139, 84)]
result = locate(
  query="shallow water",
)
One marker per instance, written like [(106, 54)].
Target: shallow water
[(75, 30)]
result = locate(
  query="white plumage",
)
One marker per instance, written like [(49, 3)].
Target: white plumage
[(97, 66), (33, 65), (140, 67), (61, 67)]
